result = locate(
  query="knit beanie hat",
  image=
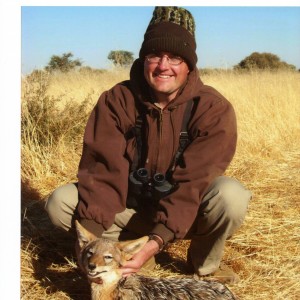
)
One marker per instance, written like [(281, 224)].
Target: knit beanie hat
[(171, 29)]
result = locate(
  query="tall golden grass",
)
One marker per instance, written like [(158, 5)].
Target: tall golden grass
[(265, 251)]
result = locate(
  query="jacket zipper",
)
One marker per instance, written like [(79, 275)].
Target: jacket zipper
[(160, 123)]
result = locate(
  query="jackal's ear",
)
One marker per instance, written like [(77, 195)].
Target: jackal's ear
[(129, 248), (84, 236)]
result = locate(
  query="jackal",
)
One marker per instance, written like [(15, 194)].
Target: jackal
[(101, 259)]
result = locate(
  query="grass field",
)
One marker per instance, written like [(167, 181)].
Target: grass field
[(265, 252)]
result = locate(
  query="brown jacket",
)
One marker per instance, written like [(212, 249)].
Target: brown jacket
[(107, 154)]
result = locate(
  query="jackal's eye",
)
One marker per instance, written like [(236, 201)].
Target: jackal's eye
[(107, 258), (89, 253)]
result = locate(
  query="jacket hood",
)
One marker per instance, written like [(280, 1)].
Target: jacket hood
[(142, 90)]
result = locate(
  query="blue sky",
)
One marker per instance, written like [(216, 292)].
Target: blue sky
[(225, 35)]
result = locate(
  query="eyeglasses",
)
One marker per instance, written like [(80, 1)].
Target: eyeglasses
[(172, 60)]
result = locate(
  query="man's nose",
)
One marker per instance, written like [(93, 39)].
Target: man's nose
[(164, 62)]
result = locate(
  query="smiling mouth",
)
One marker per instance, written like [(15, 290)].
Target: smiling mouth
[(164, 76)]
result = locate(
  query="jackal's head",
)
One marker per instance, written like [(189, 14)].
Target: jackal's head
[(101, 258)]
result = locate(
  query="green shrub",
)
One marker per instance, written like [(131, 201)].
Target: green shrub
[(263, 61)]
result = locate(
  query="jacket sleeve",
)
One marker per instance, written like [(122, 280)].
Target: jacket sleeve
[(207, 157), (103, 168)]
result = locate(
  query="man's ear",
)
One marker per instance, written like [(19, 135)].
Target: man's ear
[(84, 236), (129, 248)]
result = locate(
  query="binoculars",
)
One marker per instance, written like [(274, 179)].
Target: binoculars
[(141, 184)]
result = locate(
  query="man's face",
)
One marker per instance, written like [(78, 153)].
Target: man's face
[(164, 77)]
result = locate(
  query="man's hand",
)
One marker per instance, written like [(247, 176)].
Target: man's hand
[(138, 260)]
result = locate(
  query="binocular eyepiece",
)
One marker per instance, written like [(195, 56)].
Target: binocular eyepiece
[(159, 179), (157, 187), (141, 175)]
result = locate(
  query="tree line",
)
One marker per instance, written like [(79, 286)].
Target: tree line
[(121, 58)]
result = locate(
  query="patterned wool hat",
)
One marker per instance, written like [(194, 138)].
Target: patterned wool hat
[(171, 29)]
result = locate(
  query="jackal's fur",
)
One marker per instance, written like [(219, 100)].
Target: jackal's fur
[(101, 258)]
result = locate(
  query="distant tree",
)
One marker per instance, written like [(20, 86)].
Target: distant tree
[(263, 61), (62, 63), (121, 58)]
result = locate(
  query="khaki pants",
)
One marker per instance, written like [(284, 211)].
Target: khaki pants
[(221, 213)]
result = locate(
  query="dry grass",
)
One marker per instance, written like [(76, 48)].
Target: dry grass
[(265, 251)]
